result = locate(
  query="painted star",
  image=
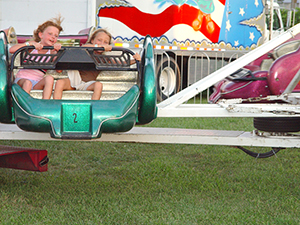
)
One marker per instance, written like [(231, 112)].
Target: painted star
[(236, 43), (242, 12), (228, 26), (256, 3), (251, 36)]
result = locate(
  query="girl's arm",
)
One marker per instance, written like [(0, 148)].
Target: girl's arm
[(36, 45), (137, 57)]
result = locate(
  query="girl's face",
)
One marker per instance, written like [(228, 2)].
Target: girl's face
[(49, 36), (101, 39)]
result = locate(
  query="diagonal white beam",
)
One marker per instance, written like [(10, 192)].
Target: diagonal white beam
[(222, 73)]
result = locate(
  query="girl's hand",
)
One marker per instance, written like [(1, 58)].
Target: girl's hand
[(107, 48), (137, 56), (37, 46), (57, 46)]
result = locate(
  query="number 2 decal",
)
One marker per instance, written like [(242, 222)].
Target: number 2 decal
[(75, 117)]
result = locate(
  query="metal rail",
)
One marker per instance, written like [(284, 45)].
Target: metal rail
[(170, 136)]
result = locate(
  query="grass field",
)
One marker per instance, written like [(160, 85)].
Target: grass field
[(126, 183)]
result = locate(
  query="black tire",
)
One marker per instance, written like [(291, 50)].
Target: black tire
[(279, 124), (167, 77)]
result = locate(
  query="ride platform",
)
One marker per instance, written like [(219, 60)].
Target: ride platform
[(139, 134)]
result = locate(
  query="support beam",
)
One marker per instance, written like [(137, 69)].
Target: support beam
[(170, 136)]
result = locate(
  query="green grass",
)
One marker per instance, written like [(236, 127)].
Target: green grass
[(132, 183)]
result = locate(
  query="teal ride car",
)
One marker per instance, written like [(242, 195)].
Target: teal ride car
[(80, 117)]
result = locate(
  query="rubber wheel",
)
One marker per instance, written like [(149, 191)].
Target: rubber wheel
[(273, 124), (168, 78)]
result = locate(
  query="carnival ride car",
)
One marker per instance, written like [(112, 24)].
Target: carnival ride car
[(77, 117), (270, 74)]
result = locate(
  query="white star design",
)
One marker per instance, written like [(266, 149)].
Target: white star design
[(251, 36), (242, 12), (228, 26), (256, 3), (236, 43)]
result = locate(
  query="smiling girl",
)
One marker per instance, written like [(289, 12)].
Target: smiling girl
[(87, 80), (45, 35)]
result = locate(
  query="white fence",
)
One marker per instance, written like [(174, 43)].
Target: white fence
[(177, 70)]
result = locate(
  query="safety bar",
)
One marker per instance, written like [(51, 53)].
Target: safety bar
[(80, 58)]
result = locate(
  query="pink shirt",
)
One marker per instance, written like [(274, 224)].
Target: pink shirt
[(32, 74)]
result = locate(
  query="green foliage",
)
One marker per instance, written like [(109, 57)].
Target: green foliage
[(284, 14)]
